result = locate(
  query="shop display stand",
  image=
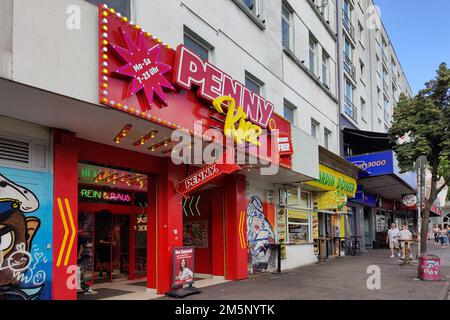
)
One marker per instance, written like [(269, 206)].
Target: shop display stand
[(183, 292)]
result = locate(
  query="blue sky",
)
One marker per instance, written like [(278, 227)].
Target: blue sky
[(420, 33)]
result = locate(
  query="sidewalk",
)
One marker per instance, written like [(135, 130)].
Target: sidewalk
[(342, 279)]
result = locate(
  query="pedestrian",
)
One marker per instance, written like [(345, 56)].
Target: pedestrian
[(443, 238), (392, 239), (405, 234), (436, 232)]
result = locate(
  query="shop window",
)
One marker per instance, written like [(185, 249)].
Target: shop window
[(299, 226), (305, 200), (292, 197), (122, 6)]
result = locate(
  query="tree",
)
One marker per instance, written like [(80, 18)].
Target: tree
[(421, 127)]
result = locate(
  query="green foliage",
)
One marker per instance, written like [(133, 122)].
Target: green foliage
[(424, 121)]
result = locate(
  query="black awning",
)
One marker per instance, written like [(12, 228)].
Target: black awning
[(365, 141)]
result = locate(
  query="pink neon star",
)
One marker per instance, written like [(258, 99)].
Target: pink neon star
[(145, 69)]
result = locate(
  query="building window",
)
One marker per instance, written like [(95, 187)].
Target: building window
[(326, 138), (290, 113), (197, 44), (324, 9), (253, 84), (252, 5), (312, 54), (362, 69), (286, 25), (325, 69), (361, 34), (350, 108), (299, 224), (315, 127), (121, 6), (363, 109)]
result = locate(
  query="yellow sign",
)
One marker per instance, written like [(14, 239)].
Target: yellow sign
[(315, 223), (245, 131), (330, 200), (330, 180), (342, 226), (298, 214)]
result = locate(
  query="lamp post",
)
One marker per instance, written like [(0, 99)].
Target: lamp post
[(421, 166)]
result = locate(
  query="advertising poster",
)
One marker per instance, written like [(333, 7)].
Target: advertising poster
[(281, 228), (195, 234), (183, 266)]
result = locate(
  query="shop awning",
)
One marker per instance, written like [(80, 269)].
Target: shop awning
[(382, 175), (366, 141)]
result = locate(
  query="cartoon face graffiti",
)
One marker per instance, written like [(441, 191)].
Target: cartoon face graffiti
[(260, 233), (16, 235)]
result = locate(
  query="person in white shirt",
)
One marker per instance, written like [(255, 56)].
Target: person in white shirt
[(405, 234), (392, 239)]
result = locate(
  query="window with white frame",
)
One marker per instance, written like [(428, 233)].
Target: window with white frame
[(253, 83), (326, 138), (290, 113), (313, 54), (315, 128), (252, 5), (350, 109), (299, 218), (286, 25), (324, 8), (325, 68), (362, 38), (197, 44), (363, 109)]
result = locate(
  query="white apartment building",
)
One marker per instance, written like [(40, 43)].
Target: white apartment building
[(371, 76)]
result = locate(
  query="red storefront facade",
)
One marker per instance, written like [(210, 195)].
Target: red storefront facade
[(163, 90)]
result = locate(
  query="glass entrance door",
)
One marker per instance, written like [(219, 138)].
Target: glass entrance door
[(120, 256)]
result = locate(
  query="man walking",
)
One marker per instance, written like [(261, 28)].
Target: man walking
[(392, 239)]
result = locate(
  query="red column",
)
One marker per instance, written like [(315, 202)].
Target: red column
[(236, 228), (169, 222), (65, 216), (217, 234), (152, 242)]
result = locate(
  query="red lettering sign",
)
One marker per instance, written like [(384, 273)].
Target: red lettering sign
[(191, 70), (206, 175)]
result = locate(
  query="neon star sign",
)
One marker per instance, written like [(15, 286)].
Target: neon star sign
[(142, 66)]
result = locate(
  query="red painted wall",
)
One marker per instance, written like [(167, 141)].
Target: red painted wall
[(217, 234), (236, 251), (170, 222), (65, 192)]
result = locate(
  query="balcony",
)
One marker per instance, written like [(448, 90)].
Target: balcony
[(349, 66), (348, 25), (350, 109)]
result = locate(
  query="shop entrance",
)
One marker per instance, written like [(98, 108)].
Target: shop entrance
[(112, 224), (203, 229)]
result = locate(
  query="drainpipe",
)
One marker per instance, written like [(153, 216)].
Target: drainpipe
[(339, 74)]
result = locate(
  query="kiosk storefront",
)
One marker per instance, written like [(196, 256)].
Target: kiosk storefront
[(337, 223)]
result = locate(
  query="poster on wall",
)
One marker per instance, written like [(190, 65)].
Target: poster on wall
[(381, 223), (281, 228), (183, 266), (195, 234)]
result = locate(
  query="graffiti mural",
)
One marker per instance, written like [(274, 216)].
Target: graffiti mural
[(20, 276), (261, 258)]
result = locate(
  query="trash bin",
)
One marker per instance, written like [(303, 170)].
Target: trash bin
[(430, 268)]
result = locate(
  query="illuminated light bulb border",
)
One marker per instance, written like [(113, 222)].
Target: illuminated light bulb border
[(147, 137), (123, 133), (109, 13)]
